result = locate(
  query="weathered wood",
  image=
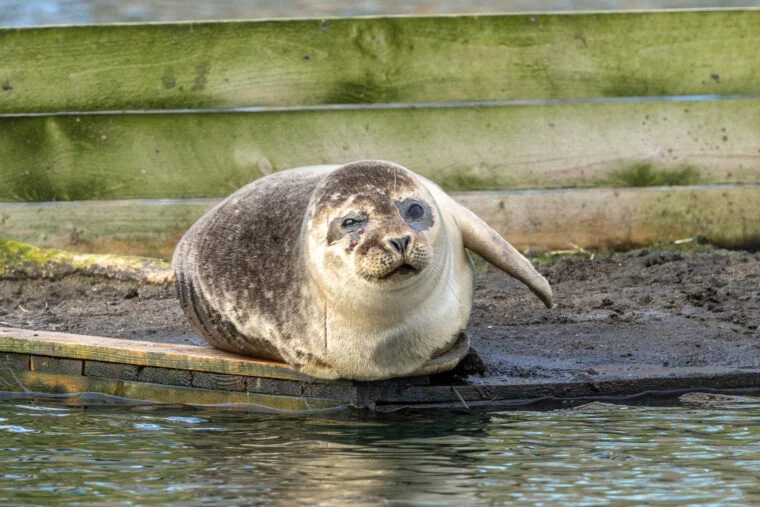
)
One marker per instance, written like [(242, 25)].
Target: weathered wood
[(462, 148), (15, 362), (345, 392), (274, 386), (621, 218), (118, 371), (219, 381), (548, 220), (40, 382), (56, 365), (20, 260), (186, 357), (168, 376), (626, 384), (64, 158), (365, 60), (137, 228)]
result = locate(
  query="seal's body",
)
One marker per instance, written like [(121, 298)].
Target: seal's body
[(356, 271)]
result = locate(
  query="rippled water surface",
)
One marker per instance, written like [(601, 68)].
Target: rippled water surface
[(53, 454)]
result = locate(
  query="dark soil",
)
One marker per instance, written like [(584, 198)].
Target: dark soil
[(661, 312)]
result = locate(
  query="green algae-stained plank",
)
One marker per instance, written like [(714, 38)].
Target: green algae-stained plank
[(29, 381), (164, 355), (372, 60), (463, 148), (549, 220)]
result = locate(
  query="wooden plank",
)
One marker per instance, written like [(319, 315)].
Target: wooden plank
[(20, 260), (135, 228), (15, 362), (550, 220), (219, 381), (370, 60), (56, 365), (167, 376), (274, 386), (185, 357), (462, 148), (71, 384), (621, 218), (118, 371)]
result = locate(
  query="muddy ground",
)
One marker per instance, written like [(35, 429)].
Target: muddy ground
[(641, 311)]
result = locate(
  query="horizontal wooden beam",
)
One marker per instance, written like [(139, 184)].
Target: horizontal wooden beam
[(61, 384), (540, 220), (463, 148), (17, 377), (173, 358), (185, 357), (374, 60)]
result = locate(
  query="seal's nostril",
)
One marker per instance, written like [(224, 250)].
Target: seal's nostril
[(400, 244)]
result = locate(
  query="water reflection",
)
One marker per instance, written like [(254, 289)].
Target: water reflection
[(594, 457)]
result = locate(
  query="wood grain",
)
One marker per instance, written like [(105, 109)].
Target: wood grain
[(41, 382), (540, 220), (111, 370), (219, 381), (56, 365), (62, 158), (168, 376), (372, 60), (184, 357)]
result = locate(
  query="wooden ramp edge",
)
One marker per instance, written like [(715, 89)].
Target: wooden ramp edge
[(141, 353), (82, 369)]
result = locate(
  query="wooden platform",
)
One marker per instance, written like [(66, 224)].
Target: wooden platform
[(65, 364)]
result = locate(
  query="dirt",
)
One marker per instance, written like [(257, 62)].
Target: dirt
[(661, 312)]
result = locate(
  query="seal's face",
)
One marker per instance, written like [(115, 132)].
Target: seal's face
[(375, 221)]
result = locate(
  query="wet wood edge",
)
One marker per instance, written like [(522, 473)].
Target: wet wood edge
[(16, 376), (182, 365), (154, 354)]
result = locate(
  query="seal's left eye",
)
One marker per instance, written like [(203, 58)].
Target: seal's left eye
[(349, 222), (415, 212)]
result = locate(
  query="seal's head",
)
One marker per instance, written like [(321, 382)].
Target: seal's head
[(373, 223)]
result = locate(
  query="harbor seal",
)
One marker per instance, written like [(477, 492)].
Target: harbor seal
[(355, 271)]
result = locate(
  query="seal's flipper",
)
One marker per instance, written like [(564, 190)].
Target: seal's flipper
[(487, 243)]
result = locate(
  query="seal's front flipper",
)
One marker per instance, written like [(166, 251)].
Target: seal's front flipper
[(487, 243)]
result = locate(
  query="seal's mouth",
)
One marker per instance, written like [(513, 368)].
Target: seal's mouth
[(403, 269)]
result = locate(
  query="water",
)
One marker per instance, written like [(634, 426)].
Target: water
[(53, 454)]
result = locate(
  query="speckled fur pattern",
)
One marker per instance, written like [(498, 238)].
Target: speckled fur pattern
[(276, 272)]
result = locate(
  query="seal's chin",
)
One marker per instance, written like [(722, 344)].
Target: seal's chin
[(404, 269), (395, 273)]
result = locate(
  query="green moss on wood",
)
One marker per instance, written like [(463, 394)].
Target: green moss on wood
[(19, 260), (645, 174), (370, 60), (463, 148)]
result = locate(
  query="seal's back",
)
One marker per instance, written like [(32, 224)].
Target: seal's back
[(244, 250)]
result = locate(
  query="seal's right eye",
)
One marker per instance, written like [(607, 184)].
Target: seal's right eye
[(349, 222)]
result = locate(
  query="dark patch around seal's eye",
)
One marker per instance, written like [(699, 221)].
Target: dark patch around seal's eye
[(416, 213), (344, 225)]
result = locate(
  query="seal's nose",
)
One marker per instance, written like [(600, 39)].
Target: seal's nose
[(400, 244)]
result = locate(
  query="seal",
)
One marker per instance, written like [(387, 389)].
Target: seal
[(356, 271)]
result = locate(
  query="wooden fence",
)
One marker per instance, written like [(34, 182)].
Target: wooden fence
[(146, 126)]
